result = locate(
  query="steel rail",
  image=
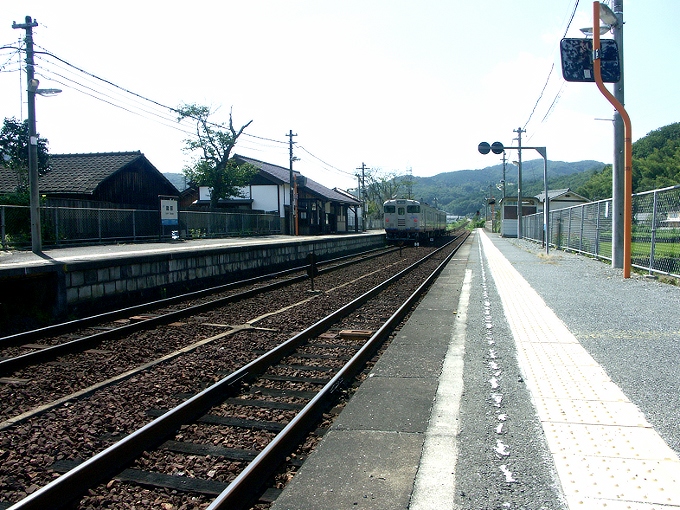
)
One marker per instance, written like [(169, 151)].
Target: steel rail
[(11, 365), (65, 327), (105, 465), (239, 493)]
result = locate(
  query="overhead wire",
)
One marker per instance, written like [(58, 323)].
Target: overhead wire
[(328, 165), (59, 70), (552, 68)]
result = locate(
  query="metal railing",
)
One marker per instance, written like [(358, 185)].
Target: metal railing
[(74, 225), (587, 229)]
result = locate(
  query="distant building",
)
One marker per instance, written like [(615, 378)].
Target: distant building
[(560, 199), (321, 210), (102, 180), (509, 213)]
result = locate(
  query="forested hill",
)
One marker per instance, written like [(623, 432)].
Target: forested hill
[(463, 192)]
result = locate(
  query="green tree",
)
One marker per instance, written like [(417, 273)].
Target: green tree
[(599, 186), (214, 142), (380, 186), (14, 154)]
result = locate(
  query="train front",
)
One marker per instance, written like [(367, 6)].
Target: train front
[(402, 220)]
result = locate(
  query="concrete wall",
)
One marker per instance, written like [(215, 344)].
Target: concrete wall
[(90, 286)]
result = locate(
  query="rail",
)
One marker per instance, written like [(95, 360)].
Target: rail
[(113, 459)]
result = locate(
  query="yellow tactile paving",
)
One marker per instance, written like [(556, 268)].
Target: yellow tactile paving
[(606, 453)]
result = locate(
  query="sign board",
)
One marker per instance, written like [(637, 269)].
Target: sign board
[(169, 211), (577, 60)]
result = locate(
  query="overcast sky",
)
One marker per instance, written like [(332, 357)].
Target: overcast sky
[(389, 83)]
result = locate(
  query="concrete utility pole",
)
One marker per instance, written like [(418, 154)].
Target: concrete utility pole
[(519, 132), (618, 168), (503, 182), (363, 196), (36, 239), (291, 226)]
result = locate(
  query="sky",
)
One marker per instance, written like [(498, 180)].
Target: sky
[(390, 84)]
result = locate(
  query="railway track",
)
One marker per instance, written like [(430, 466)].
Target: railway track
[(73, 336), (276, 399), (50, 376)]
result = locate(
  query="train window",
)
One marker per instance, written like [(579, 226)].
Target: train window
[(390, 209), (413, 208), (400, 212)]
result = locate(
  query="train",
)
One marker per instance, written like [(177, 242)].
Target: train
[(410, 221)]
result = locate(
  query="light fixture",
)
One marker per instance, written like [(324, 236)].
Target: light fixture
[(48, 92), (588, 31)]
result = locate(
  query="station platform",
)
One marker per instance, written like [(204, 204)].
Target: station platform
[(522, 380), (72, 282)]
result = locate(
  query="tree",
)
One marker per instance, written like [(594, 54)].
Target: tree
[(214, 143), (14, 152), (380, 186)]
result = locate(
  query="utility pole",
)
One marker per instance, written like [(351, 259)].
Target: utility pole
[(503, 181), (363, 196), (36, 239), (618, 168), (291, 158), (356, 212), (519, 132)]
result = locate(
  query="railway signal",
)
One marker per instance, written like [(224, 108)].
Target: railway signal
[(499, 148)]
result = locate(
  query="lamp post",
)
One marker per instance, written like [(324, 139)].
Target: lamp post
[(32, 90), (623, 214), (36, 240), (613, 19)]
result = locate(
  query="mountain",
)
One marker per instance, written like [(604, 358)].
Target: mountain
[(464, 192)]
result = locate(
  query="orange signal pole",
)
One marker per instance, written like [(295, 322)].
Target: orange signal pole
[(627, 142)]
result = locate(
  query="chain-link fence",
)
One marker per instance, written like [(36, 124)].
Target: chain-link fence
[(70, 225), (587, 229)]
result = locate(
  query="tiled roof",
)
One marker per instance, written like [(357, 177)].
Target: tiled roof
[(282, 175), (279, 173), (74, 173), (557, 193), (82, 173), (8, 180)]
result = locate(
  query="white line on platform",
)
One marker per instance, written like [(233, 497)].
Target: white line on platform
[(435, 480)]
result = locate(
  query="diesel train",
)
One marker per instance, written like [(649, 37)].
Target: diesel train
[(412, 222)]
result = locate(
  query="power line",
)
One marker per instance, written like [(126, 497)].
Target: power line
[(566, 30), (327, 164), (165, 116)]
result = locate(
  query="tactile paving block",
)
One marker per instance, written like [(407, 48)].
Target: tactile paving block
[(607, 504), (603, 440), (624, 414), (573, 382), (564, 354), (606, 454), (633, 480)]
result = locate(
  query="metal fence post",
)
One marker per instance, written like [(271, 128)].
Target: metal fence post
[(580, 246), (597, 231), (3, 233), (653, 243), (99, 224)]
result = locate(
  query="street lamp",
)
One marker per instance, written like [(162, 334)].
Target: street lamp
[(32, 89)]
